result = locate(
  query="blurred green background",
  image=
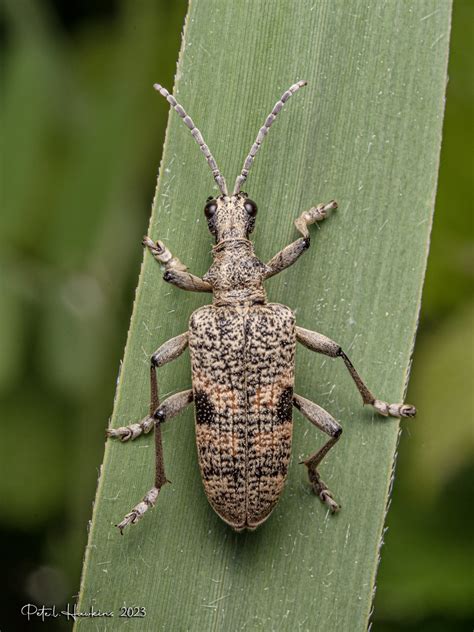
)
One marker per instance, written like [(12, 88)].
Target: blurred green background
[(81, 140)]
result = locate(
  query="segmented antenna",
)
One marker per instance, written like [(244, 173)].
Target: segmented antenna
[(218, 177), (263, 132)]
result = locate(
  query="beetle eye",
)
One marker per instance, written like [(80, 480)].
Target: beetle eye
[(210, 208), (250, 207)]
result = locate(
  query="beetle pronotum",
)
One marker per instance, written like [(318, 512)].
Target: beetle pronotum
[(242, 358)]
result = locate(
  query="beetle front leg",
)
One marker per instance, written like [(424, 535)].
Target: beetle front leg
[(322, 420), (321, 344), (167, 410), (287, 257), (175, 271)]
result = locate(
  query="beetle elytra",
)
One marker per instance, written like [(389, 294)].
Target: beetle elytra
[(242, 357)]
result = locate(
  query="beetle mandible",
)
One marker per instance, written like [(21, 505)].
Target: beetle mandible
[(242, 357)]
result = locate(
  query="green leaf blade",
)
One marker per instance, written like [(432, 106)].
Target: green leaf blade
[(366, 131)]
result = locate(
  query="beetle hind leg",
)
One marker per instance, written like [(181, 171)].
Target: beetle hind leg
[(319, 486), (322, 420), (139, 510)]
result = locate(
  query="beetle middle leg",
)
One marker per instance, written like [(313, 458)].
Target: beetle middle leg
[(321, 344), (168, 351), (322, 420)]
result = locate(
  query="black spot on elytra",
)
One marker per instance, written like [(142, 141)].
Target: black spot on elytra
[(285, 405), (204, 409)]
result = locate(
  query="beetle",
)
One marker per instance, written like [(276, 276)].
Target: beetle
[(242, 357)]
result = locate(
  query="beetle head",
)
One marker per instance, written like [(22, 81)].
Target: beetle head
[(230, 217)]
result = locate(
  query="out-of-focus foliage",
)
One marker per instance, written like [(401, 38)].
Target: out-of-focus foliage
[(426, 579), (451, 264), (81, 140)]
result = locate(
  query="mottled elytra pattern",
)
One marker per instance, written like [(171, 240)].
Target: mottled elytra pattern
[(242, 361), (242, 357)]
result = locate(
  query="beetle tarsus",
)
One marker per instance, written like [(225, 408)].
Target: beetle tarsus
[(315, 214), (328, 500), (162, 254), (320, 489), (139, 510), (127, 433), (394, 410)]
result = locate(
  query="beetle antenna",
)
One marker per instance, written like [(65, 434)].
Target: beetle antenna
[(218, 177), (263, 132)]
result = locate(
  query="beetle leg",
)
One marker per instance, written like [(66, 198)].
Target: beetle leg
[(168, 351), (321, 344), (125, 433), (322, 420), (175, 271), (186, 281), (287, 257), (168, 409), (315, 214)]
